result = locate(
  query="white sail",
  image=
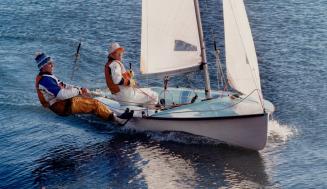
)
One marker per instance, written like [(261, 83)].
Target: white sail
[(170, 39), (241, 58)]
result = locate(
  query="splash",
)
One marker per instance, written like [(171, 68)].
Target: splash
[(279, 132)]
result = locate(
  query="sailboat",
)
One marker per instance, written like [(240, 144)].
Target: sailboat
[(172, 43)]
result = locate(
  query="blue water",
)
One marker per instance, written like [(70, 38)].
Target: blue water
[(40, 149)]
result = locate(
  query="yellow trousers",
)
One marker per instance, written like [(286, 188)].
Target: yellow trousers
[(82, 105)]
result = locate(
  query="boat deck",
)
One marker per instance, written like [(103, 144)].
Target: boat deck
[(178, 104)]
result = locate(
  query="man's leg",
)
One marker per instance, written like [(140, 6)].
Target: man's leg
[(146, 97), (82, 105), (154, 97), (62, 108)]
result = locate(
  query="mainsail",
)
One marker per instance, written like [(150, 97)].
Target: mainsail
[(241, 58), (170, 39)]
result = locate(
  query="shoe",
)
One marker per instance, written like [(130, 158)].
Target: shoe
[(119, 121), (127, 114), (122, 119)]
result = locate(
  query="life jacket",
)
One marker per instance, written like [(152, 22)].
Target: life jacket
[(114, 88), (42, 100)]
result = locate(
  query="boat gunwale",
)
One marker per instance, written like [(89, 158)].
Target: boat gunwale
[(204, 118)]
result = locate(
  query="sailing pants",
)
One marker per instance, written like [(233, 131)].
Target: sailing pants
[(82, 105), (136, 96)]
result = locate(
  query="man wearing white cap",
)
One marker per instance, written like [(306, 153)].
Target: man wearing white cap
[(121, 83)]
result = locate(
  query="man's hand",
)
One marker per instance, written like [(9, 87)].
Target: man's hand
[(132, 83), (131, 73), (84, 92)]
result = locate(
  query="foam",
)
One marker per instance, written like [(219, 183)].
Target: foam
[(280, 132)]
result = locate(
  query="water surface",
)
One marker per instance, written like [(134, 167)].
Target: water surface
[(39, 148)]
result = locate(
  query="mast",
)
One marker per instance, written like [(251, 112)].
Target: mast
[(203, 50)]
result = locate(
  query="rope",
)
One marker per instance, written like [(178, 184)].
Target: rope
[(224, 90), (145, 93), (103, 96)]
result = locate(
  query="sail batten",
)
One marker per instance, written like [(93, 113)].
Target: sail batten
[(170, 39), (241, 59)]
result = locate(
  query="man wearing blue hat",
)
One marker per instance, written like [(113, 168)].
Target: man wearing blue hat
[(64, 99)]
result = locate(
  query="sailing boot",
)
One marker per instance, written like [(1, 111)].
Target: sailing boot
[(117, 120), (122, 119), (128, 114)]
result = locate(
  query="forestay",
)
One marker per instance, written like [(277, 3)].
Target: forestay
[(170, 39), (241, 58)]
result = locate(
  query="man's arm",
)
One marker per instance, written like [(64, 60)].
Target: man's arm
[(67, 93), (68, 86), (60, 93), (116, 74), (82, 91)]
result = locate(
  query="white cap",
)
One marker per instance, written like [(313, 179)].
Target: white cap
[(114, 47)]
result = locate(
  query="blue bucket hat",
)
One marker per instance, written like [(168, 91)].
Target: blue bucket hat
[(41, 60)]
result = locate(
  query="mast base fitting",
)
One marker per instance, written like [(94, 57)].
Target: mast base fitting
[(202, 65)]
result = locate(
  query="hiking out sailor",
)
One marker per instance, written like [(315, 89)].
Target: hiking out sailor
[(64, 99), (121, 82)]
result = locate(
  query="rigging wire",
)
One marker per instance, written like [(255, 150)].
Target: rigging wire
[(220, 73)]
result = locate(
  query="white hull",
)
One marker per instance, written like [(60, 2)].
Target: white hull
[(235, 121), (247, 131)]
